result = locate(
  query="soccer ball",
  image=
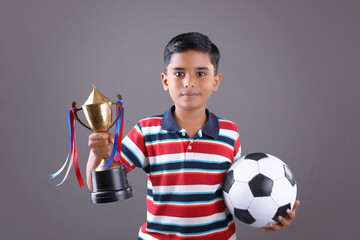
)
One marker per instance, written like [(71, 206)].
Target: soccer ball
[(258, 188)]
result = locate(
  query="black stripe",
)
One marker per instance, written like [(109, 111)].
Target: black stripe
[(194, 230), (227, 140), (190, 164), (206, 197), (130, 155), (177, 135), (164, 136)]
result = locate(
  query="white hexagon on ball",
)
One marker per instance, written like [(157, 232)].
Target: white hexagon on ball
[(283, 192), (240, 195), (263, 208), (272, 167), (245, 170)]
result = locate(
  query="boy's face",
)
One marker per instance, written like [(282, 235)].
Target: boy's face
[(190, 80)]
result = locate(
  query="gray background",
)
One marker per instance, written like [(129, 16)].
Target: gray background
[(290, 81)]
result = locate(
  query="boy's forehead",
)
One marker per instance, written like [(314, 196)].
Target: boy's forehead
[(190, 59)]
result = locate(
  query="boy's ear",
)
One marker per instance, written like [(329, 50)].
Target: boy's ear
[(217, 81), (164, 81)]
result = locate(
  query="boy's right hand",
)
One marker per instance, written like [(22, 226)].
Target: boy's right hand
[(99, 144)]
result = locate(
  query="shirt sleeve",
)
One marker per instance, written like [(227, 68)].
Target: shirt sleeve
[(133, 150), (237, 148)]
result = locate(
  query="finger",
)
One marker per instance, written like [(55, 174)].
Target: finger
[(291, 214), (275, 227), (284, 222), (97, 143), (98, 136), (296, 205), (111, 139), (267, 229), (101, 150)]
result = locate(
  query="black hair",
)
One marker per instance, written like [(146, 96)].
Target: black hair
[(192, 41)]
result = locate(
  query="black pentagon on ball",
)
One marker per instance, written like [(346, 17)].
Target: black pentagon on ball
[(281, 212), (289, 175), (244, 216), (256, 156), (228, 181), (261, 186)]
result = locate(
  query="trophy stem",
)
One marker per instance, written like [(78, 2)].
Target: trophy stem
[(100, 167)]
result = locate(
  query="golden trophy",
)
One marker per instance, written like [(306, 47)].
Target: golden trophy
[(109, 184)]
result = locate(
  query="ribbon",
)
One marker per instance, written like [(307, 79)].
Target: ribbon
[(72, 155), (118, 136)]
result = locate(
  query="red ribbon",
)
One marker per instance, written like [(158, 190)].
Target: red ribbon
[(73, 152)]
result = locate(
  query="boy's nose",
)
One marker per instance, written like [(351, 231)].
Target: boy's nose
[(189, 82)]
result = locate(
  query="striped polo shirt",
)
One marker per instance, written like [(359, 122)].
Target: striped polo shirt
[(184, 196)]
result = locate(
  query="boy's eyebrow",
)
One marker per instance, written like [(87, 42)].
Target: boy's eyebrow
[(178, 69), (182, 69), (202, 68)]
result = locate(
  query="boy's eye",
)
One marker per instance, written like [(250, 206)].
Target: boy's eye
[(201, 74), (179, 74)]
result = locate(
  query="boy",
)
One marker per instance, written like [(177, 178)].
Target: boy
[(185, 152)]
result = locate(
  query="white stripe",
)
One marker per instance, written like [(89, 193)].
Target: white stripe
[(146, 236), (192, 204), (226, 120), (189, 170), (176, 157), (229, 133), (185, 189), (186, 221), (166, 141), (131, 145), (152, 130), (167, 158), (216, 142), (238, 155)]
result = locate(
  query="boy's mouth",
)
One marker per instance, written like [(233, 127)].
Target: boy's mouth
[(189, 95)]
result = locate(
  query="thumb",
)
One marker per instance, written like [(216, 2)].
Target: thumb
[(111, 138)]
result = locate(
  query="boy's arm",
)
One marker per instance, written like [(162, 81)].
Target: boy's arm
[(284, 222), (99, 144)]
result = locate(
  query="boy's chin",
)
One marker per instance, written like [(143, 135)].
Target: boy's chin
[(190, 107)]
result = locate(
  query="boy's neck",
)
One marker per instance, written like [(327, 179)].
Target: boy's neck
[(192, 121)]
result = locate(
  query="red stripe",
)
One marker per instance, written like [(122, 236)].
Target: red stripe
[(236, 146), (123, 161), (185, 211), (138, 139), (166, 148), (221, 235), (212, 148), (154, 150), (150, 122), (228, 125), (186, 178)]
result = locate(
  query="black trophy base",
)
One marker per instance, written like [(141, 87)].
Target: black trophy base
[(110, 186)]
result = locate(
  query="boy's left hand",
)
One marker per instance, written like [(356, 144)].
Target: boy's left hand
[(284, 222)]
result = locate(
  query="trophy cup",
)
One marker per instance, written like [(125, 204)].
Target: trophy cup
[(109, 184)]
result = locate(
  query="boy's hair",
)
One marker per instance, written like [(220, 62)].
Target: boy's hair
[(192, 41)]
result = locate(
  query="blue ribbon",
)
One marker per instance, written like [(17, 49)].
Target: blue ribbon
[(67, 158), (117, 132)]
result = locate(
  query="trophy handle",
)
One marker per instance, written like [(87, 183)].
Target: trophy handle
[(76, 116), (119, 97)]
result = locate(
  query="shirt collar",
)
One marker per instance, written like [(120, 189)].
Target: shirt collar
[(211, 127)]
